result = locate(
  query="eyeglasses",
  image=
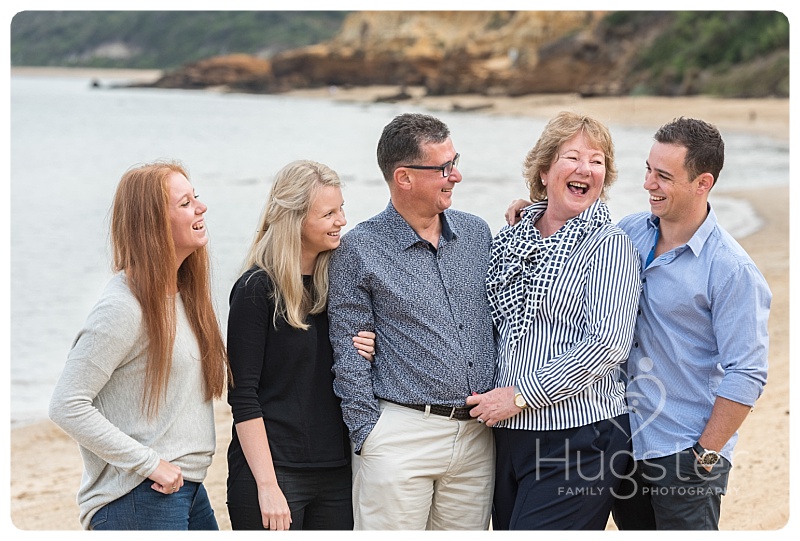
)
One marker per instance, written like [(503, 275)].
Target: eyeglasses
[(446, 169)]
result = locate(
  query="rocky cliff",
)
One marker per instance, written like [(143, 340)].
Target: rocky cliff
[(483, 52), (446, 52)]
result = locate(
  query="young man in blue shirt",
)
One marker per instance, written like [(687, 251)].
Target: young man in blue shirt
[(699, 357)]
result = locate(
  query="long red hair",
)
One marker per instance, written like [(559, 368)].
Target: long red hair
[(141, 239)]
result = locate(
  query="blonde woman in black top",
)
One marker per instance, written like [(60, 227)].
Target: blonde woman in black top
[(289, 458)]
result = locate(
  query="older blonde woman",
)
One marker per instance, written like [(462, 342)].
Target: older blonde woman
[(563, 285)]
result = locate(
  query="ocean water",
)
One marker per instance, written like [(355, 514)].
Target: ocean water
[(70, 144)]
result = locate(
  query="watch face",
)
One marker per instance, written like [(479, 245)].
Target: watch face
[(709, 458)]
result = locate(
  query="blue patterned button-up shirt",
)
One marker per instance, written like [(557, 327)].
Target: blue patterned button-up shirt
[(428, 308)]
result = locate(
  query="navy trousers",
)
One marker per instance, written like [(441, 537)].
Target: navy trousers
[(559, 479)]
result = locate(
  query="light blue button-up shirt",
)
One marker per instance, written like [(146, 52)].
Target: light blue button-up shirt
[(701, 333)]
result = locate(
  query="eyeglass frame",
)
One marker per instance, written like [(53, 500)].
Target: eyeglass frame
[(452, 164)]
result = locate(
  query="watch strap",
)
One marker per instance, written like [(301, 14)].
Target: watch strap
[(706, 456)]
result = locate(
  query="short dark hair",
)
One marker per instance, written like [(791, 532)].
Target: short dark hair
[(705, 149), (402, 139)]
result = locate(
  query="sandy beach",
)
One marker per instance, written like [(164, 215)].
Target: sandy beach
[(45, 466)]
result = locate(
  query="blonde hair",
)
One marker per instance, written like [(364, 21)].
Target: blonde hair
[(141, 238), (277, 245), (561, 128)]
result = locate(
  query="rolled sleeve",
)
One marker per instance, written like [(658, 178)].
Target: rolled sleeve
[(741, 314)]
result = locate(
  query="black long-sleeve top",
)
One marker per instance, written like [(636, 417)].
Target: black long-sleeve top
[(282, 375)]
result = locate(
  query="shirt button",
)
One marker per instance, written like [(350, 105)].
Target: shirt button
[(644, 280), (636, 344), (461, 326), (470, 363), (639, 311)]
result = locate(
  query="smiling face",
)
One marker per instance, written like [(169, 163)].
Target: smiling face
[(185, 217), (429, 188), (323, 225), (575, 179), (673, 195)]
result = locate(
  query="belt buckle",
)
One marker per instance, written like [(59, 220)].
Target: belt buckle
[(452, 413)]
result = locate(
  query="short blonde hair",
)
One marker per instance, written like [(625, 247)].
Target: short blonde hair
[(561, 128)]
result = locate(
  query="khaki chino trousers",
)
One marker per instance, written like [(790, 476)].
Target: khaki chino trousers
[(421, 471)]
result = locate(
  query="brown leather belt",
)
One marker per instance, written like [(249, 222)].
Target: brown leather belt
[(451, 412)]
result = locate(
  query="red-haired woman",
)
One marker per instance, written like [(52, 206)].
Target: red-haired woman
[(137, 389)]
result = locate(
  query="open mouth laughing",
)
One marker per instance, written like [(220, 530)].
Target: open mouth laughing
[(578, 188)]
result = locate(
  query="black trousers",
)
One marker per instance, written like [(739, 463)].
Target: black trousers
[(559, 479), (671, 493), (318, 498)]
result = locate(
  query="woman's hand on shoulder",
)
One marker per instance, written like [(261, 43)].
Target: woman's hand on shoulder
[(364, 343)]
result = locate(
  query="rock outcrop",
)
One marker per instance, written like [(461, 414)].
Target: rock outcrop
[(238, 70), (479, 52)]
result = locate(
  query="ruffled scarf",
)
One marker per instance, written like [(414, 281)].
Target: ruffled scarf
[(523, 265)]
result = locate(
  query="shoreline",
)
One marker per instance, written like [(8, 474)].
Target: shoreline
[(138, 75), (762, 116), (758, 497)]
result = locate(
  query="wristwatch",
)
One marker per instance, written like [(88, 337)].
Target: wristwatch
[(707, 457), (519, 400)]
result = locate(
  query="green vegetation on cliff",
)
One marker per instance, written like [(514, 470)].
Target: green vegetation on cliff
[(726, 53), (160, 39)]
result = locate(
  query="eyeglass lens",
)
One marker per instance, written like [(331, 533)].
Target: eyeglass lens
[(447, 170)]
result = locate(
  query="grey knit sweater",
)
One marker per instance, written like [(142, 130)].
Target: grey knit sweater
[(97, 401)]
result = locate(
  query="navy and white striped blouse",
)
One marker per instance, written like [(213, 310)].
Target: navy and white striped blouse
[(565, 309)]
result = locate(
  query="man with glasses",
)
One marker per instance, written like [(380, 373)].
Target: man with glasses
[(414, 274)]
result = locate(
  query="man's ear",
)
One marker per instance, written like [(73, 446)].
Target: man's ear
[(401, 178), (705, 181)]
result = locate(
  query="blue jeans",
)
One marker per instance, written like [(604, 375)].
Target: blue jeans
[(318, 498), (146, 509)]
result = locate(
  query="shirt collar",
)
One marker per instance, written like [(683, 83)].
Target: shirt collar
[(405, 234), (535, 211), (700, 236)]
